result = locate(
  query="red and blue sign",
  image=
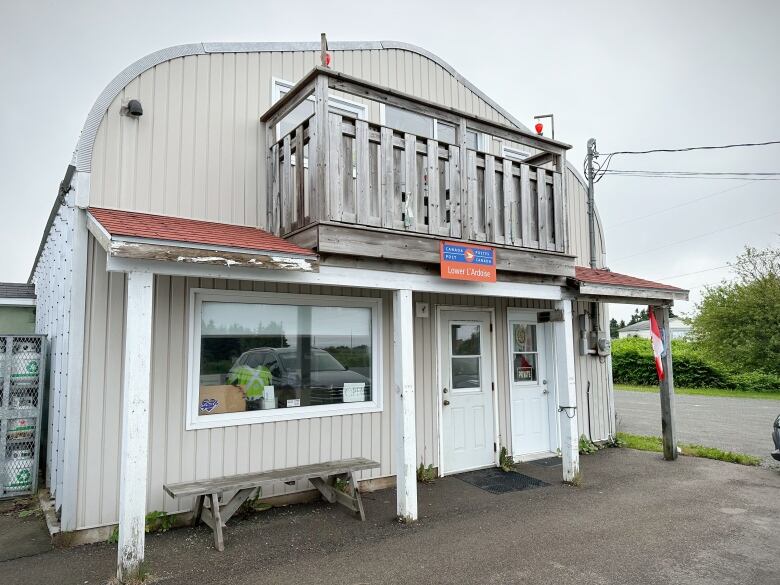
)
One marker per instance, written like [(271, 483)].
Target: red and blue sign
[(467, 262)]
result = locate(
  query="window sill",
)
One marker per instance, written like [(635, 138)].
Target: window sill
[(253, 417)]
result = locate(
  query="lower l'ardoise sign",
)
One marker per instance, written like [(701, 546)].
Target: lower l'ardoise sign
[(467, 262)]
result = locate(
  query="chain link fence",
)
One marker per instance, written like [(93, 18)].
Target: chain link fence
[(22, 379)]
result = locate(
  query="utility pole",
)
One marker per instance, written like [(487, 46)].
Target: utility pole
[(592, 154)]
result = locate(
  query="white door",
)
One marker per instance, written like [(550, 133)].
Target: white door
[(529, 393), (467, 390)]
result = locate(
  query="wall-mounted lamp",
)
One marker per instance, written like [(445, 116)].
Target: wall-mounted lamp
[(133, 109)]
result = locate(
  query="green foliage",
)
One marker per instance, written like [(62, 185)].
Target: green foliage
[(157, 521), (739, 322), (587, 446), (632, 364), (426, 474), (505, 460), (655, 444), (113, 538), (341, 485)]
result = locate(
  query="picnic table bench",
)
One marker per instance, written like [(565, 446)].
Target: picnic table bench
[(323, 476)]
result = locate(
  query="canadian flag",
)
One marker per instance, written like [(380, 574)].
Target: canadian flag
[(658, 343)]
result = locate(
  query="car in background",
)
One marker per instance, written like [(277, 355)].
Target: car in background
[(776, 438), (324, 383)]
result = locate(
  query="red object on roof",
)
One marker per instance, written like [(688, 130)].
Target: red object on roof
[(601, 276), (192, 231)]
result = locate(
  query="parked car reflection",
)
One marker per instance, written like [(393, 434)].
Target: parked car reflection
[(322, 382)]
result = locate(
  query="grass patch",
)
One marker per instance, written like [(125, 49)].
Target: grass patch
[(649, 443), (720, 392)]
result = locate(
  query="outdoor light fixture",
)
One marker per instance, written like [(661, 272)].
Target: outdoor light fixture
[(134, 109), (539, 127)]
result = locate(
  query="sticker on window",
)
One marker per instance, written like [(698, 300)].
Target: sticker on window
[(354, 391), (209, 404), (293, 402)]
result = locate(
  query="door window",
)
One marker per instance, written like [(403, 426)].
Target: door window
[(525, 356), (465, 356)]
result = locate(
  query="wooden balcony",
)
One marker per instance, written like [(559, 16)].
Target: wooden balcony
[(346, 185)]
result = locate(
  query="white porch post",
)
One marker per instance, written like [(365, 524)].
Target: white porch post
[(403, 389), (567, 391), (135, 423)]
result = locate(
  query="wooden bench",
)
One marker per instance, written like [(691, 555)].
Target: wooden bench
[(323, 476)]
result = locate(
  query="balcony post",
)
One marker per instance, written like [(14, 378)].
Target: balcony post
[(563, 332), (319, 147)]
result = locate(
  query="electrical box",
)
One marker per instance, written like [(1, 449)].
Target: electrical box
[(603, 344)]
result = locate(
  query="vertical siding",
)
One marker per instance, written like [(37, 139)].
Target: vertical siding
[(196, 151), (176, 454)]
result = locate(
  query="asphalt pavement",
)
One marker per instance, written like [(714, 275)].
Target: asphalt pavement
[(635, 519), (743, 425)]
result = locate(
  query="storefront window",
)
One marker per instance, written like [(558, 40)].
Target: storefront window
[(271, 357), (524, 352)]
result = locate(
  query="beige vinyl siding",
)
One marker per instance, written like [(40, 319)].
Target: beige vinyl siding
[(196, 151), (176, 454)]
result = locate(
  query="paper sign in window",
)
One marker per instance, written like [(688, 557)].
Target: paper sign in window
[(354, 391)]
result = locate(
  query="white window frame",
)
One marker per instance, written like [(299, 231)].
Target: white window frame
[(513, 153), (278, 85), (195, 421)]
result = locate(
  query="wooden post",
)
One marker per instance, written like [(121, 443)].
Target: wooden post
[(567, 391), (135, 424), (668, 430), (403, 387)]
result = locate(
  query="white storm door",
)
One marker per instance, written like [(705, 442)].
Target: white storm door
[(467, 390), (529, 393)]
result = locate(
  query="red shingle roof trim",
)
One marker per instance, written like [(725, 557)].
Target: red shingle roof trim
[(601, 276), (192, 231)]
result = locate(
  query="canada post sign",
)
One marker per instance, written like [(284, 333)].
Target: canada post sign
[(467, 262)]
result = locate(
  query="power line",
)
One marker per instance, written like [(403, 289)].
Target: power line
[(728, 227), (690, 148), (684, 175), (690, 273), (708, 196), (707, 173)]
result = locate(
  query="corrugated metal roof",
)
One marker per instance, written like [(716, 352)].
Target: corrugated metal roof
[(192, 231), (601, 276), (15, 290)]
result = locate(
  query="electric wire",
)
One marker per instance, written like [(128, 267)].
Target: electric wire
[(722, 229), (691, 148)]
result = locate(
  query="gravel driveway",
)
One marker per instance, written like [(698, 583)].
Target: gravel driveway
[(743, 425)]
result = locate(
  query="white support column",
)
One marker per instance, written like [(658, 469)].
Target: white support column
[(567, 391), (403, 388), (135, 423)]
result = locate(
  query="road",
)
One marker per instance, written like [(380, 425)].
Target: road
[(742, 425)]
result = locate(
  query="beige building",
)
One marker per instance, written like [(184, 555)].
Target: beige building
[(256, 262)]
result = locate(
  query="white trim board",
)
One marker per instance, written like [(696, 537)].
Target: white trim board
[(15, 302), (343, 276)]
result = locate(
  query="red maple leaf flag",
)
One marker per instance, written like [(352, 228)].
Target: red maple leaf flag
[(658, 344)]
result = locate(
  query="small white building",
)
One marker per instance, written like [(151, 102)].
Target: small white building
[(678, 328)]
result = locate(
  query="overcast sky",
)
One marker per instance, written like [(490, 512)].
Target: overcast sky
[(635, 75)]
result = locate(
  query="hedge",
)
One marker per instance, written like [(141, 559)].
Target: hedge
[(632, 364)]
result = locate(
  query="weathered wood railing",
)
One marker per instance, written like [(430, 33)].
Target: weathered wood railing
[(351, 171)]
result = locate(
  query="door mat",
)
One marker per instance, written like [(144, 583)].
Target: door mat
[(546, 462), (495, 481)]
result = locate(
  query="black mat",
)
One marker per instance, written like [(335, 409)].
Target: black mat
[(495, 481), (546, 462)]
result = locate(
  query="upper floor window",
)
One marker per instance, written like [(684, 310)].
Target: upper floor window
[(305, 110), (428, 127), (514, 153)]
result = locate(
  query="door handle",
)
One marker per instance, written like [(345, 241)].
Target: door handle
[(446, 402), (444, 390)]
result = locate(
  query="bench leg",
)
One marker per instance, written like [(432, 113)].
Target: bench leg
[(197, 510), (356, 495), (219, 543)]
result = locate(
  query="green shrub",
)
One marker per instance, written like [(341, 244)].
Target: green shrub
[(632, 364)]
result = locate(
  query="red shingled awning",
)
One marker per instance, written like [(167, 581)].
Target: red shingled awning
[(605, 284)]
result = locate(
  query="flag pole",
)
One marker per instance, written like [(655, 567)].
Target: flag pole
[(666, 382)]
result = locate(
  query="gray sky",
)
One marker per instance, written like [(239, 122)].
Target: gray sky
[(635, 75)]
